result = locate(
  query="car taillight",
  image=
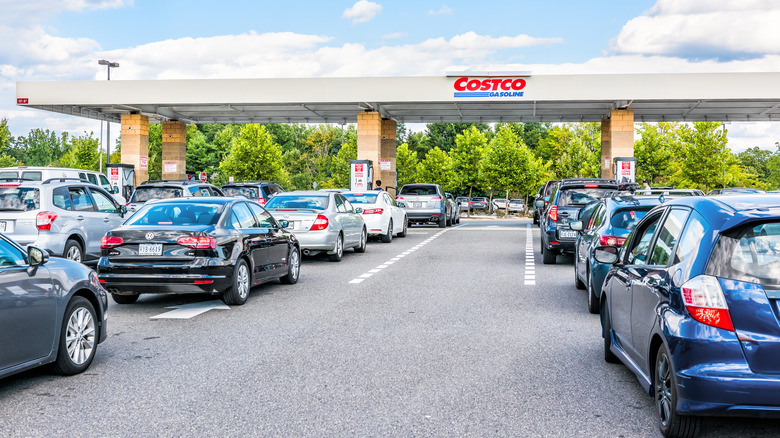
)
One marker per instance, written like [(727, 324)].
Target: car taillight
[(44, 220), (399, 198), (10, 185), (261, 201), (108, 242), (320, 223), (373, 211), (201, 242), (591, 186), (706, 303), (553, 213), (436, 198), (607, 240)]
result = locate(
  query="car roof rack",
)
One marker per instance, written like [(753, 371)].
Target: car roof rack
[(63, 179), (178, 181), (16, 179), (589, 180)]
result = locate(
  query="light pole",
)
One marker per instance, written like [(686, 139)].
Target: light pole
[(108, 65)]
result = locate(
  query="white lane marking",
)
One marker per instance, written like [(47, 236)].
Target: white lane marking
[(530, 266), (357, 280), (374, 271), (389, 262), (366, 275), (187, 311), (380, 267)]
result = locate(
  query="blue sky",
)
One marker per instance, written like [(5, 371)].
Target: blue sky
[(63, 39)]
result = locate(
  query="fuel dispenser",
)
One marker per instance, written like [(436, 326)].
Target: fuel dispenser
[(361, 175), (625, 170), (122, 177)]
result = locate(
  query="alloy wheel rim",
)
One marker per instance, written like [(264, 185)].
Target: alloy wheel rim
[(590, 289), (663, 389), (339, 247), (80, 336), (390, 229), (74, 254), (295, 264), (243, 281)]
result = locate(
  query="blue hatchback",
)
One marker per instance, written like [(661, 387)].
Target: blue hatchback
[(692, 307)]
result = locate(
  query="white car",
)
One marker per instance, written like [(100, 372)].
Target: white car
[(382, 215)]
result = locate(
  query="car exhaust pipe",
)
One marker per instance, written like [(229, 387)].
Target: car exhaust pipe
[(306, 252)]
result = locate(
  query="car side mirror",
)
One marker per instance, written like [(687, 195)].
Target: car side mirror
[(122, 210), (608, 255), (576, 225), (358, 210), (539, 203), (115, 190), (401, 204), (37, 256), (284, 223)]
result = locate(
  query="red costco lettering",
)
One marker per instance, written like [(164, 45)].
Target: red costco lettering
[(507, 84)]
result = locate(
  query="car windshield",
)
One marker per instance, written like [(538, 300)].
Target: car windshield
[(19, 199), (306, 202), (177, 214), (143, 194), (361, 198), (579, 197), (750, 253), (626, 218), (249, 192), (418, 190)]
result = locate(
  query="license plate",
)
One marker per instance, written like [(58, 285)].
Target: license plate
[(2, 226), (567, 234), (150, 249), (417, 204)]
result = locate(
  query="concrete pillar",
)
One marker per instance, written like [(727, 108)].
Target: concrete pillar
[(617, 139), (376, 142), (174, 150), (135, 145)]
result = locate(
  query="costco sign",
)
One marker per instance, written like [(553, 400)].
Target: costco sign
[(489, 87)]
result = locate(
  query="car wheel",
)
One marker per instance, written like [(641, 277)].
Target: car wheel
[(609, 356), (124, 299), (593, 300), (406, 225), (73, 251), (363, 241), (671, 423), (78, 338), (548, 257), (448, 223), (293, 267), (442, 222), (339, 252), (387, 238), (577, 282), (238, 293)]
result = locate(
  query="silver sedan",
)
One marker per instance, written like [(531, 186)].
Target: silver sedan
[(321, 221)]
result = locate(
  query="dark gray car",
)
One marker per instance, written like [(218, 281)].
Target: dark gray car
[(51, 311)]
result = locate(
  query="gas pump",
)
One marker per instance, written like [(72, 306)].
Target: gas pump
[(625, 170), (361, 175), (122, 177)]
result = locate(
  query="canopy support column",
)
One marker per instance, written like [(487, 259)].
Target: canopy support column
[(174, 150), (617, 139), (135, 145), (376, 142)]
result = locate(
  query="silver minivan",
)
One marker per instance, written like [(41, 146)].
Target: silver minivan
[(65, 216)]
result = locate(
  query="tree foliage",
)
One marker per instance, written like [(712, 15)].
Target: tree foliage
[(436, 168), (255, 156), (405, 165)]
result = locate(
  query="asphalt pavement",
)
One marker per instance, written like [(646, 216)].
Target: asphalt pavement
[(455, 332)]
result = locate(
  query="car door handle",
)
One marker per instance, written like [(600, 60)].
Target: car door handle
[(106, 219), (79, 218)]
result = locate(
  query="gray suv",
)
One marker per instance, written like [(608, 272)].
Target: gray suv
[(425, 203), (67, 217), (164, 189)]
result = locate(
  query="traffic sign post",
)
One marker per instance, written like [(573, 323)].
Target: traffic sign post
[(203, 176)]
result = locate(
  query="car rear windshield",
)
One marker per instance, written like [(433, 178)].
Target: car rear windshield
[(750, 253), (306, 202), (361, 198), (19, 199), (418, 190), (581, 196), (249, 192), (177, 214), (143, 194), (626, 218)]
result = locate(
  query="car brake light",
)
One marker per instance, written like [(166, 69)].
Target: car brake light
[(706, 303), (373, 211), (607, 240), (10, 185), (108, 242), (591, 186), (320, 223), (399, 198), (261, 201), (553, 213), (436, 198), (44, 220), (201, 242)]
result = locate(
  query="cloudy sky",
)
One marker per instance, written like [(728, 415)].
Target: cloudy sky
[(170, 39)]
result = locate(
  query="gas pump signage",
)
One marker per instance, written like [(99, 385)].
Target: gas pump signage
[(359, 177)]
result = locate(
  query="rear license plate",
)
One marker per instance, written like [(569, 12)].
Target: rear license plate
[(150, 249), (567, 234), (417, 204), (2, 226)]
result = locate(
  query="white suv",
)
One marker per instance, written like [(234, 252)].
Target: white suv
[(65, 216), (42, 173)]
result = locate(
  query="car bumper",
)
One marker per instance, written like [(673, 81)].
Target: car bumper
[(323, 240), (54, 244), (213, 277), (424, 216), (376, 224), (562, 246)]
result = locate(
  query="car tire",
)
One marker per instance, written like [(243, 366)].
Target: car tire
[(78, 337), (406, 225), (577, 282), (388, 237), (339, 251), (238, 292), (363, 241), (293, 266), (548, 257), (448, 222), (443, 222), (124, 299), (73, 251), (593, 300), (609, 356), (671, 423)]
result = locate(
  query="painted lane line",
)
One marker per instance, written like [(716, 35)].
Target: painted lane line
[(357, 280), (374, 271), (380, 267), (364, 275), (187, 311)]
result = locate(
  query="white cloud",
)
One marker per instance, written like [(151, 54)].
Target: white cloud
[(362, 11), (703, 29), (445, 10)]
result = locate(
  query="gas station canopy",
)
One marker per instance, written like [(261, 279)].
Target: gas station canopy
[(457, 97)]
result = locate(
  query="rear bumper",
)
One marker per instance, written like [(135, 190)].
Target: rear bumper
[(323, 240), (180, 279), (376, 224), (553, 243), (424, 216)]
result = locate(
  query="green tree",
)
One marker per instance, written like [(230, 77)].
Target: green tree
[(40, 147), (6, 142), (756, 161), (405, 165), (255, 156), (573, 150), (436, 168), (83, 153), (467, 156), (340, 166), (504, 161), (154, 164), (442, 135), (773, 169), (655, 151), (201, 155), (703, 156)]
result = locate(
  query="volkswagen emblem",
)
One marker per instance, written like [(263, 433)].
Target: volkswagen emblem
[(149, 236)]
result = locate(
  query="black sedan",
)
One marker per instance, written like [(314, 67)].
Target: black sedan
[(52, 311), (219, 246)]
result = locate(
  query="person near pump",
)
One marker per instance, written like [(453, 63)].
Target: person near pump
[(378, 185), (646, 190)]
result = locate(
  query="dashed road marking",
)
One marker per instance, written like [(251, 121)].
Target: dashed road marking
[(530, 266)]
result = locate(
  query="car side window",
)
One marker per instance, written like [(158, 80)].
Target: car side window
[(10, 255), (103, 201), (597, 218), (348, 206), (668, 236), (689, 242), (264, 218), (242, 217), (194, 191), (637, 252), (104, 182), (80, 199), (61, 198), (204, 191), (340, 207)]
